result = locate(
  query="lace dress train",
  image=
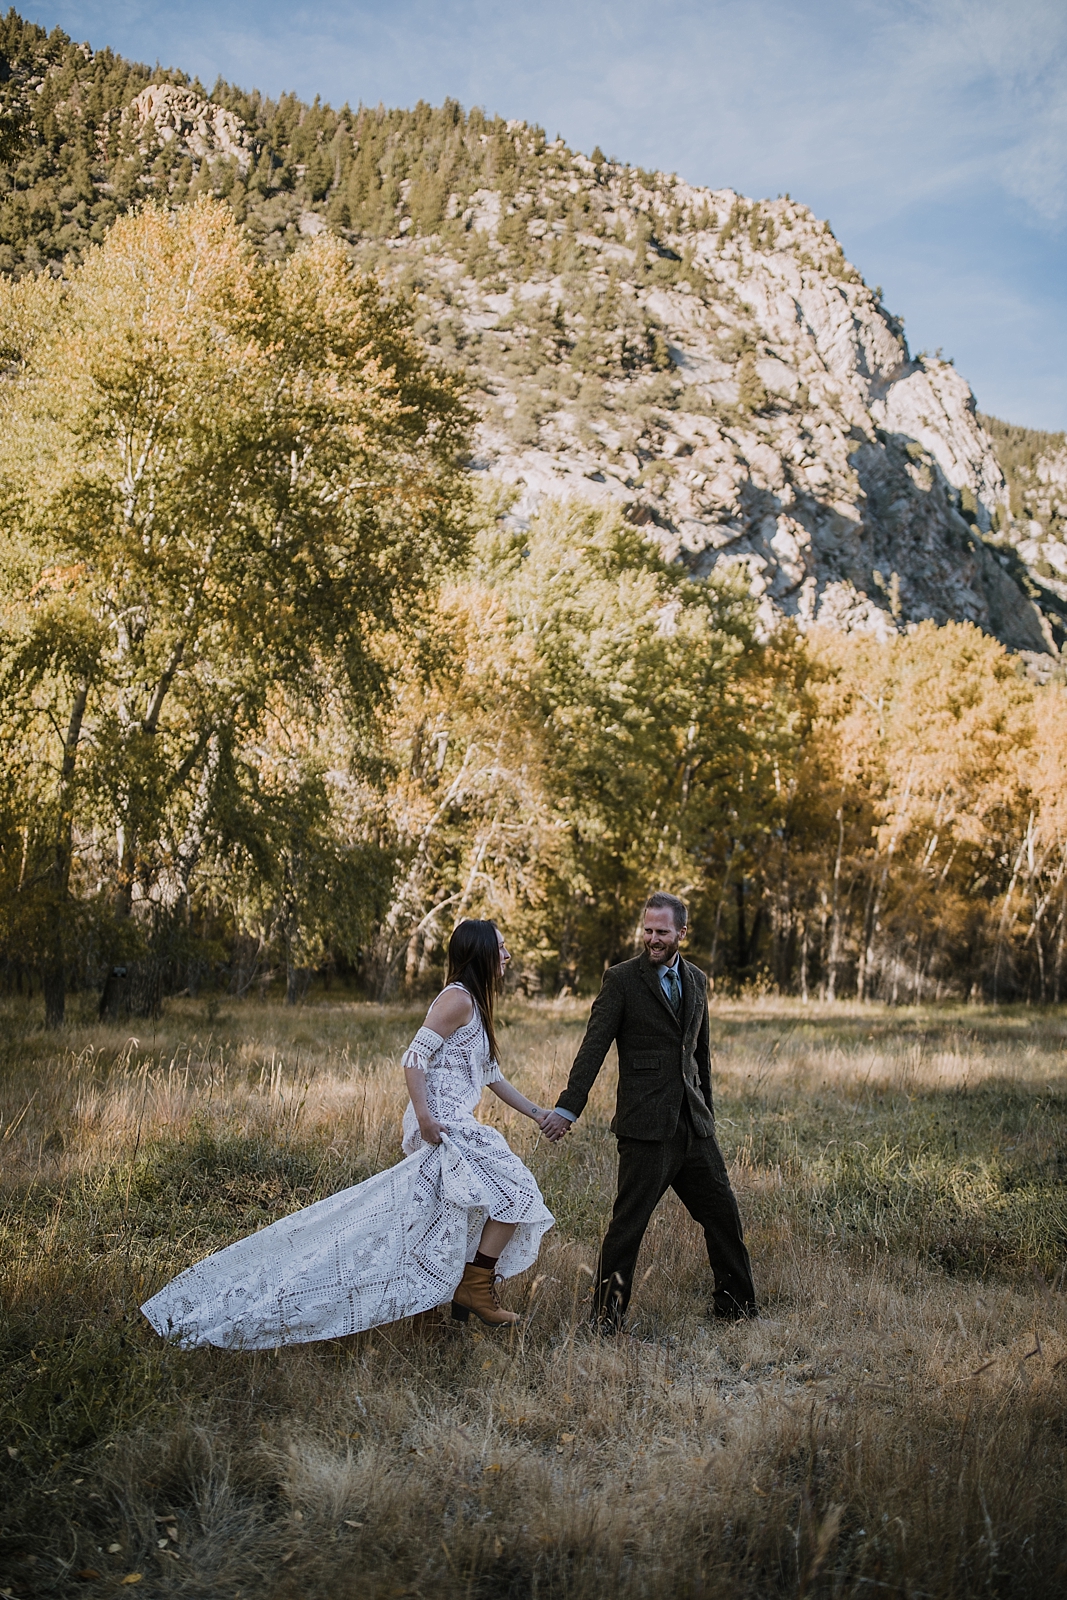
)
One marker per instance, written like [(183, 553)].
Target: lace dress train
[(387, 1248)]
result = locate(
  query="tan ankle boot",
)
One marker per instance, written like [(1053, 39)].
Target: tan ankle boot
[(477, 1293)]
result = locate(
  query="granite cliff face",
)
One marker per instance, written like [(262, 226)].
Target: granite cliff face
[(710, 364), (748, 398)]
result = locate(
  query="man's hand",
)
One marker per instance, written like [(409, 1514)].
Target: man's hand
[(553, 1126)]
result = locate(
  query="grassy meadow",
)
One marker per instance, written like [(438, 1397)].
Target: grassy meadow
[(894, 1425)]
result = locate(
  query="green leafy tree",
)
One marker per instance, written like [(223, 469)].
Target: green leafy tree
[(224, 480)]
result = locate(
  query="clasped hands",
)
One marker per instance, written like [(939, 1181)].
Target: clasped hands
[(553, 1126)]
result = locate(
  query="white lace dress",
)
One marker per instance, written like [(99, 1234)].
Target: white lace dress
[(390, 1247)]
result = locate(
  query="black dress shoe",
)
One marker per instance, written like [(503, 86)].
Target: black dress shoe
[(735, 1313)]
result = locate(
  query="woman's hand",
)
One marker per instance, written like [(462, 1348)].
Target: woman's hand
[(429, 1126)]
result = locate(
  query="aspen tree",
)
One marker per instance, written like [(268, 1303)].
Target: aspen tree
[(221, 478)]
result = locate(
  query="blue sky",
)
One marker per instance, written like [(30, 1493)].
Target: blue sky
[(932, 133)]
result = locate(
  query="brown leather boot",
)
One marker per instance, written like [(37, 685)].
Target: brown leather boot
[(477, 1293)]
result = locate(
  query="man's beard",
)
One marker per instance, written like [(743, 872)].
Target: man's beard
[(662, 954)]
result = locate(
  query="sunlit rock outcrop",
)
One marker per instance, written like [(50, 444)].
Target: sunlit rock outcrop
[(164, 114)]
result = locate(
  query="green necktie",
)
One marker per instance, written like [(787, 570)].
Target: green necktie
[(674, 988)]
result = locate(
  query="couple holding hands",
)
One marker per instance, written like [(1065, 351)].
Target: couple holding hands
[(461, 1210)]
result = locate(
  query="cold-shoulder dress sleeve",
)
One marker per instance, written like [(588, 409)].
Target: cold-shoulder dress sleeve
[(424, 1051)]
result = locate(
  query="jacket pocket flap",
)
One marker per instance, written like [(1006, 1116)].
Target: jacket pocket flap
[(648, 1060)]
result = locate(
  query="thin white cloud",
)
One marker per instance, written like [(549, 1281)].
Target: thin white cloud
[(991, 79)]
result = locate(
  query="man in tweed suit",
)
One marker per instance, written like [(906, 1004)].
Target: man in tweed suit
[(655, 1009)]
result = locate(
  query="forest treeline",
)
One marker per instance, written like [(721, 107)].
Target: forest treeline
[(282, 693)]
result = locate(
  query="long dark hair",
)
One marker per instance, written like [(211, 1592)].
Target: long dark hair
[(474, 961)]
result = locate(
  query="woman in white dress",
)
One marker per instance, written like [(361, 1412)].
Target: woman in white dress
[(460, 1210)]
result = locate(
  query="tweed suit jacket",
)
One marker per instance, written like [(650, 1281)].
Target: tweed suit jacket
[(663, 1059)]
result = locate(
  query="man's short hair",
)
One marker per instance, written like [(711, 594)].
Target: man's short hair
[(671, 903)]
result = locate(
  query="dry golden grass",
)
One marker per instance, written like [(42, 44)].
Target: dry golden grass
[(894, 1425)]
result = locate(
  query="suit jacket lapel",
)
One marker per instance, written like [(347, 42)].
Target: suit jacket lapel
[(689, 994), (651, 977)]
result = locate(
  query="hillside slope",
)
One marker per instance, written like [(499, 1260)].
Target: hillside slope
[(711, 364)]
